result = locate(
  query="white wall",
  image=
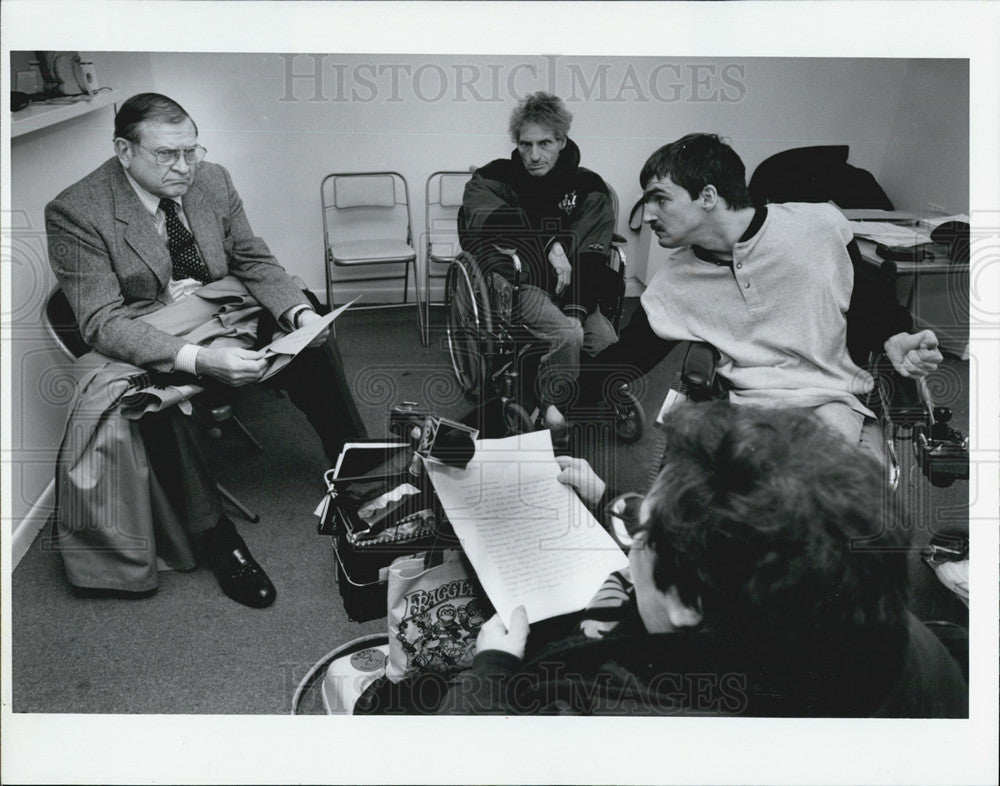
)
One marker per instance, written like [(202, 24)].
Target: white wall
[(905, 120), (42, 164), (928, 162)]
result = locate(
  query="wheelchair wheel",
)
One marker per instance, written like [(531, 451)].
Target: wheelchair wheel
[(468, 324), (516, 419), (630, 417)]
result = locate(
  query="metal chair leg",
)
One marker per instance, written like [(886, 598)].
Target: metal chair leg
[(425, 325), (421, 321), (427, 301), (245, 432), (221, 414), (227, 495)]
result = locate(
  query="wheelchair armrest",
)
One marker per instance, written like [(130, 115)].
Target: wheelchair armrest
[(698, 372), (894, 396), (511, 253)]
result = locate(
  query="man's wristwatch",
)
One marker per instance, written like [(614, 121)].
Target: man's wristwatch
[(297, 319)]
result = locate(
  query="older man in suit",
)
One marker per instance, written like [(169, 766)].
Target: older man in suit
[(140, 234)]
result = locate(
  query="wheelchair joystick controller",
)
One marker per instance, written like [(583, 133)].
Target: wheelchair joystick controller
[(942, 452), (940, 428)]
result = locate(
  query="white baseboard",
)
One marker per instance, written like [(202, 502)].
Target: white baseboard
[(28, 528)]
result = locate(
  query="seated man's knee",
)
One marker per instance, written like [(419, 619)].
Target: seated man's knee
[(570, 334), (598, 334), (841, 418)]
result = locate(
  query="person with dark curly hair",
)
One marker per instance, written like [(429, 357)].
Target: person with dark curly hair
[(770, 579)]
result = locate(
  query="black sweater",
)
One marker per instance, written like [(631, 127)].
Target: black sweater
[(693, 672), (505, 205)]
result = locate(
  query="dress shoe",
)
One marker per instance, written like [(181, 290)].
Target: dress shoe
[(237, 572)]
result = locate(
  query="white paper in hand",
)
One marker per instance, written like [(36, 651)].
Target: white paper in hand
[(282, 350), (529, 537)]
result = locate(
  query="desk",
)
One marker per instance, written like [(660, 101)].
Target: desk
[(936, 292)]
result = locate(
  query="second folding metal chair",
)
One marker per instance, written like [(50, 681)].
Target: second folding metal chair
[(367, 224), (443, 198)]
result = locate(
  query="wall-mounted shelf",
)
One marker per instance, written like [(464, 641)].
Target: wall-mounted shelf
[(39, 116)]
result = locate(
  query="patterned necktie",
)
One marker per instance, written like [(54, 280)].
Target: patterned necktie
[(183, 252)]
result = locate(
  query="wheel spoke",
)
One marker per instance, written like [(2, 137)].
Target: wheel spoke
[(466, 325), (630, 419)]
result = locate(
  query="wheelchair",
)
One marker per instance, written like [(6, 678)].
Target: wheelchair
[(904, 412), (491, 352)]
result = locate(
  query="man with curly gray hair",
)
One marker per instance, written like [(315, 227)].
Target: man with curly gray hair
[(559, 217)]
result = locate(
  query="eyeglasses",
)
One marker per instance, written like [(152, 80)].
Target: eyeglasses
[(622, 515), (168, 157)]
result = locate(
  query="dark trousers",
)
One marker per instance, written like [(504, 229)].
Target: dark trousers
[(174, 453), (315, 383)]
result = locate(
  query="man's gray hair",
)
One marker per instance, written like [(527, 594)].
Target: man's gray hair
[(543, 109)]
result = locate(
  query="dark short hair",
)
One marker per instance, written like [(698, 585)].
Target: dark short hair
[(544, 109), (699, 160), (777, 528), (148, 107)]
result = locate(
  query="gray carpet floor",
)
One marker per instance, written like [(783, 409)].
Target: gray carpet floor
[(189, 649)]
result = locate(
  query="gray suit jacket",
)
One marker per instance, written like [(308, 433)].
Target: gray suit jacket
[(114, 267)]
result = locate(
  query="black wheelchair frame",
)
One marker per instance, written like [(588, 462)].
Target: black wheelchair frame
[(903, 408), (906, 413), (487, 346)]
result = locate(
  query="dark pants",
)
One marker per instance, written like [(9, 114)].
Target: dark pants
[(315, 383)]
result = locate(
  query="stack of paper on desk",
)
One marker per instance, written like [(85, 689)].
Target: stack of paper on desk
[(933, 222), (529, 537), (874, 214), (889, 234)]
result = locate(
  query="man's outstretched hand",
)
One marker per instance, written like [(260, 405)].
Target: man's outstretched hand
[(232, 365), (914, 354), (580, 476)]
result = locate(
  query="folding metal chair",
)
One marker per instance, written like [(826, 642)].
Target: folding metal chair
[(443, 198), (367, 223)]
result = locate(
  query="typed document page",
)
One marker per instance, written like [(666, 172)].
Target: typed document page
[(529, 537)]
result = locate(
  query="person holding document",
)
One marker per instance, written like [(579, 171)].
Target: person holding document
[(768, 581), (135, 245)]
